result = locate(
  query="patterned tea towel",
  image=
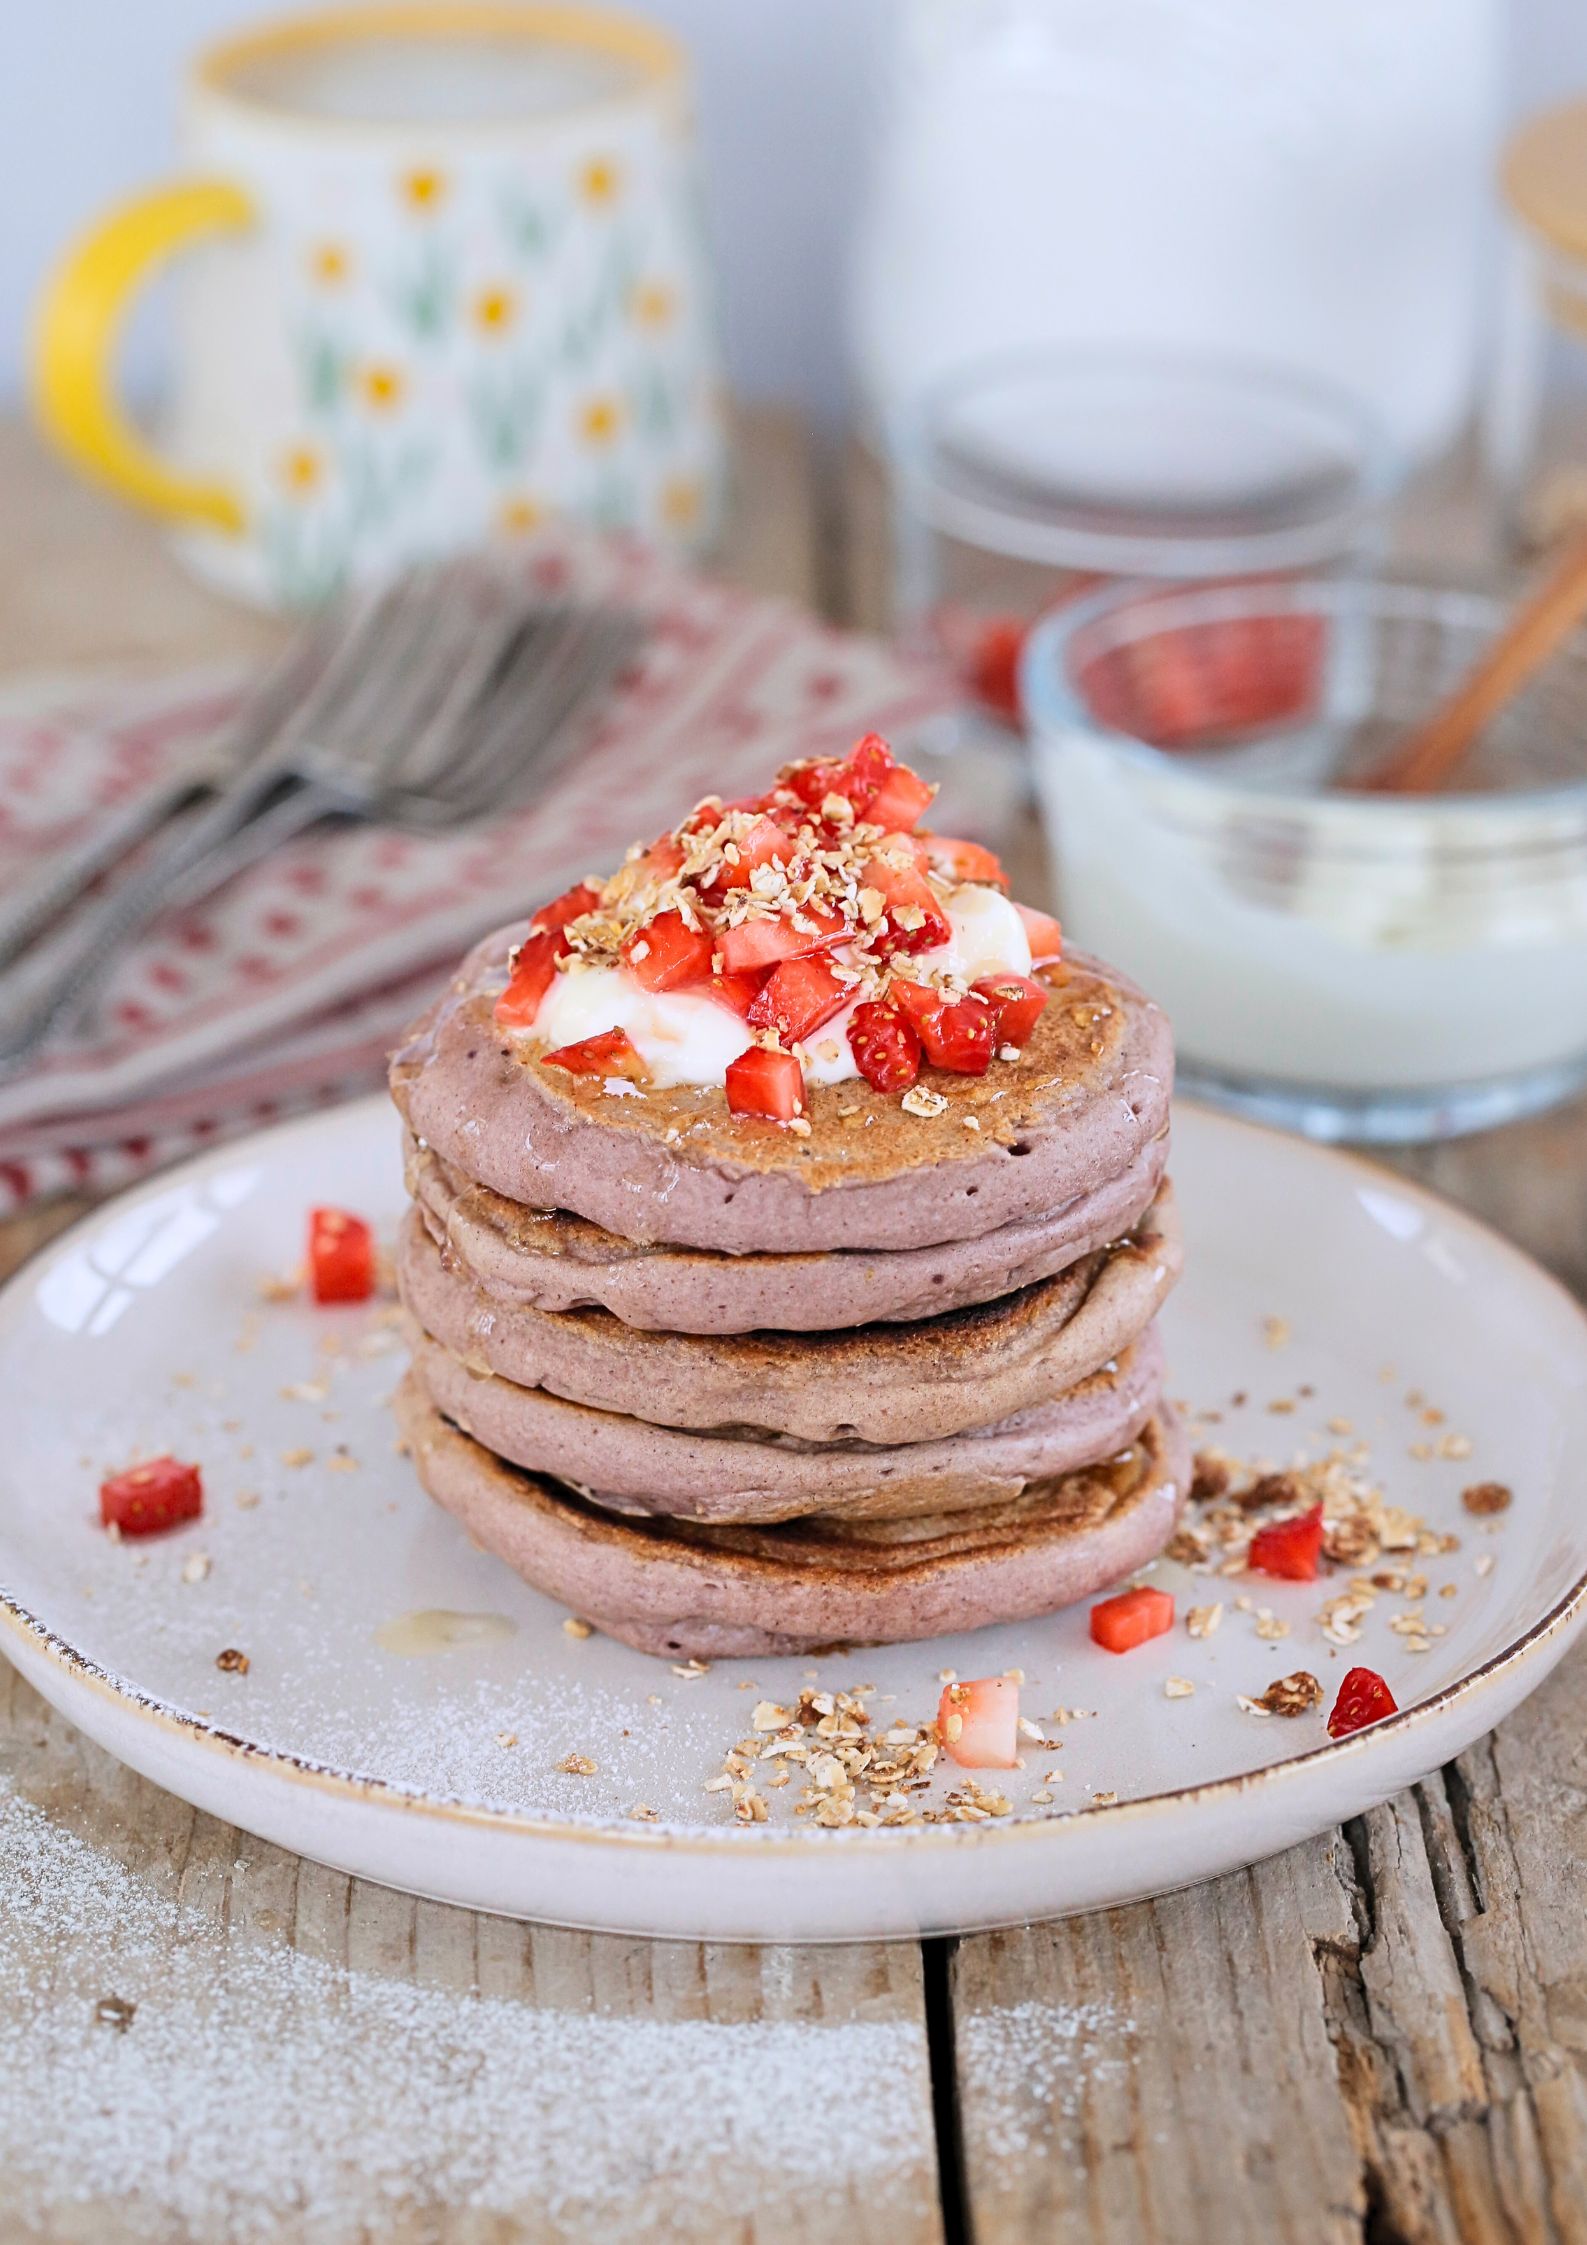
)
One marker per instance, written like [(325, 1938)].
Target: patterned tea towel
[(286, 989)]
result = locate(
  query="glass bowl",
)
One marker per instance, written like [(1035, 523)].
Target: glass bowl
[(1353, 965)]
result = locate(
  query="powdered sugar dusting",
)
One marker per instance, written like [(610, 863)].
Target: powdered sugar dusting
[(213, 2085), (1025, 2061)]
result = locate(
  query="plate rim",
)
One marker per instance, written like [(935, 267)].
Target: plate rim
[(735, 1840)]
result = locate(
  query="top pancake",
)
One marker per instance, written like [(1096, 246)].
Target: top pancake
[(1085, 1097)]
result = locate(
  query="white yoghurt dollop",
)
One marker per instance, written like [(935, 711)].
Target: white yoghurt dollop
[(684, 1038)]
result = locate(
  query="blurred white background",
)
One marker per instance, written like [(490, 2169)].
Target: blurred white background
[(87, 96)]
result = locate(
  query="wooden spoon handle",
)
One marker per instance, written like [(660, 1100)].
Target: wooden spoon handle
[(1429, 752)]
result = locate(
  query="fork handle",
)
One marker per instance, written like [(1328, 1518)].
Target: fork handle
[(32, 903), (55, 980)]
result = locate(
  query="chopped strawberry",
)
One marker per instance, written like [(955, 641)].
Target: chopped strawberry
[(1289, 1548), (959, 1035), (766, 843), (764, 1082), (978, 1723), (737, 992), (963, 861), (667, 954), (532, 971), (902, 799), (1042, 933), (146, 1499), (611, 1053), (572, 904), (797, 997), (1017, 1005), (664, 857), (761, 943), (1363, 1698), (885, 1046), (915, 919), (341, 1256), (1133, 1618)]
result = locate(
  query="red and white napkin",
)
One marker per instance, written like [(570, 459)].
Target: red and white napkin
[(288, 987)]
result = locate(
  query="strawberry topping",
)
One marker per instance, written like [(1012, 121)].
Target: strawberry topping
[(612, 1053), (1289, 1548), (667, 954), (763, 1081), (1132, 1618), (815, 899), (978, 1723), (341, 1256), (1363, 1698), (148, 1499), (1017, 1004), (885, 1047)]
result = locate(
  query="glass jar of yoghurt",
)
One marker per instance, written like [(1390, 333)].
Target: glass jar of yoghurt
[(1352, 964)]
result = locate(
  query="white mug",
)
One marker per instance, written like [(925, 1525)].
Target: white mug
[(441, 276)]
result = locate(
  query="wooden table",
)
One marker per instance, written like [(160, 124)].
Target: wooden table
[(1380, 2035)]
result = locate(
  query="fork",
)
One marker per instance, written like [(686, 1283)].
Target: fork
[(438, 700)]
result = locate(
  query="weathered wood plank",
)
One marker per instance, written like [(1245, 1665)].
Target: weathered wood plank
[(203, 2039)]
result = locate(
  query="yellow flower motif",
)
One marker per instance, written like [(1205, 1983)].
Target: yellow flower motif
[(599, 420), (301, 470), (423, 188), (680, 502), (600, 181), (329, 264), (653, 304), (495, 310), (517, 516), (382, 387)]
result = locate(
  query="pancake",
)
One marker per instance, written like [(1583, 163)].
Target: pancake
[(884, 1384), (733, 1474), (681, 1589), (553, 1260), (1078, 1106)]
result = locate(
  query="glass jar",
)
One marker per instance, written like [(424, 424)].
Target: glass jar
[(1023, 481), (1353, 965), (1534, 424)]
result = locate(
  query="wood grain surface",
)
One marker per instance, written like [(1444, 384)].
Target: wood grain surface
[(1379, 2036)]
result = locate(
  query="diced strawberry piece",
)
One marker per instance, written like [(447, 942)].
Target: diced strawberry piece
[(764, 1082), (147, 1499), (533, 969), (667, 954), (1017, 1004), (902, 799), (1042, 933), (885, 1046), (1289, 1548), (737, 992), (1363, 1698), (766, 843), (664, 857), (907, 892), (611, 1053), (798, 996), (341, 1256), (978, 1723), (994, 665), (761, 943), (959, 1035), (572, 904), (963, 861), (1133, 1618)]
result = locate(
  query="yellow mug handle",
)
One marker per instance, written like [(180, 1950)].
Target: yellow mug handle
[(78, 327)]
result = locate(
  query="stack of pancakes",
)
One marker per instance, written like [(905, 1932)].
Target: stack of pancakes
[(725, 1388)]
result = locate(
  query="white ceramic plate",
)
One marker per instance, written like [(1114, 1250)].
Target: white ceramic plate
[(144, 1330)]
